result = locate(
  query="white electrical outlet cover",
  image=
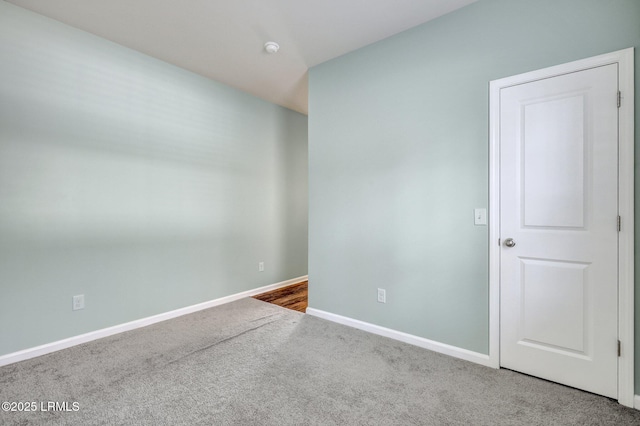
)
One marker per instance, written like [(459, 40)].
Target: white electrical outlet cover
[(78, 302)]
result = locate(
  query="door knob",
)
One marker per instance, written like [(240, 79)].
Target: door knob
[(509, 242)]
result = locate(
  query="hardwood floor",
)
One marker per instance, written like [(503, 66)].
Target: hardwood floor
[(291, 297)]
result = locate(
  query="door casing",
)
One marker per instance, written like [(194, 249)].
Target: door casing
[(624, 59)]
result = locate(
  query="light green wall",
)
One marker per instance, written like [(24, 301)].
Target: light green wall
[(138, 184), (398, 159)]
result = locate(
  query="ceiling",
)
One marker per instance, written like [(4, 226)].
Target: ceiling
[(223, 39)]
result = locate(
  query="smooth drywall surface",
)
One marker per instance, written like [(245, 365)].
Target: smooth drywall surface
[(398, 152), (140, 185)]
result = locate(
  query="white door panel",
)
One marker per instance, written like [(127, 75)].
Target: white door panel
[(557, 153), (552, 290), (559, 194)]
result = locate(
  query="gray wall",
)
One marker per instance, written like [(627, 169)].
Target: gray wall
[(140, 185), (398, 159)]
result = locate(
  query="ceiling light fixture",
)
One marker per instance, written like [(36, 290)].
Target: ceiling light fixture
[(271, 47)]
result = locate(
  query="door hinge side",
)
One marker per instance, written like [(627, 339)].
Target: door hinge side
[(619, 348), (619, 98), (619, 223), (499, 242)]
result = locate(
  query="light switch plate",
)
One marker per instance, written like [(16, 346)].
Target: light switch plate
[(480, 216)]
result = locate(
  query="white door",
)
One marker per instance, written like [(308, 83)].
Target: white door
[(559, 206)]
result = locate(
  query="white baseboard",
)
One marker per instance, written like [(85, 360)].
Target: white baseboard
[(132, 325), (636, 402), (432, 345)]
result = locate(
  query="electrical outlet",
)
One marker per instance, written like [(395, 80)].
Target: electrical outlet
[(78, 302), (260, 266), (382, 295)]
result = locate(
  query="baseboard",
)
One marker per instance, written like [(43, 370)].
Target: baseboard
[(132, 325), (636, 402), (442, 348)]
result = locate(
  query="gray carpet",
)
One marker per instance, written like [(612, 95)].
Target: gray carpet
[(252, 363)]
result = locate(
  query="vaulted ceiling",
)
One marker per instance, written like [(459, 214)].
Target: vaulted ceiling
[(224, 39)]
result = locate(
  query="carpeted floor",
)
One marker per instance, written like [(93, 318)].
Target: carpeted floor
[(253, 363)]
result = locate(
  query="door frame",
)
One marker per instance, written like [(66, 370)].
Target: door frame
[(624, 58)]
